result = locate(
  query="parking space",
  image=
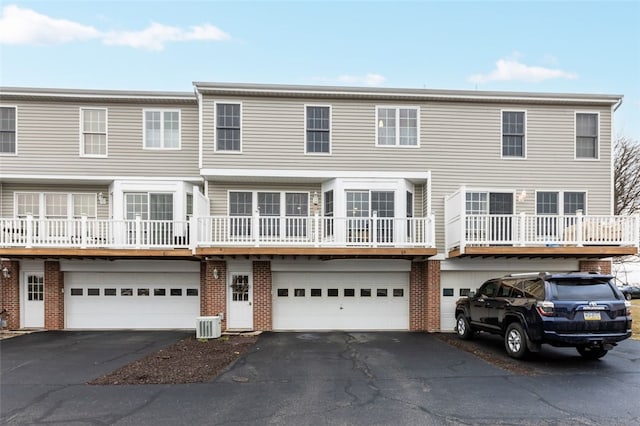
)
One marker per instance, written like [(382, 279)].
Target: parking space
[(317, 378)]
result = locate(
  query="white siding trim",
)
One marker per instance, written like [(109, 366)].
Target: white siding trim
[(215, 133), (98, 178), (200, 129), (144, 129), (524, 142), (106, 131), (330, 129), (322, 174), (575, 134), (11, 154)]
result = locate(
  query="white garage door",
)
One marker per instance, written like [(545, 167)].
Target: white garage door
[(455, 284), (112, 300), (341, 301)]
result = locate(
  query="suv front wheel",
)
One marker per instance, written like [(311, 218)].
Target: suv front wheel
[(591, 352), (463, 328), (515, 341)]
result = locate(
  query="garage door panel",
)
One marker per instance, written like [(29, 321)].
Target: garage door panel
[(131, 300), (297, 309)]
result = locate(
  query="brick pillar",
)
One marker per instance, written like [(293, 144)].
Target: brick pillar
[(213, 291), (11, 294), (53, 296), (417, 298), (600, 266), (262, 299), (432, 281)]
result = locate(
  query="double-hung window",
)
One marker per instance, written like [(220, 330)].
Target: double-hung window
[(513, 134), (228, 131), (93, 132), (162, 129), (8, 130), (318, 128), (397, 126), (587, 135)]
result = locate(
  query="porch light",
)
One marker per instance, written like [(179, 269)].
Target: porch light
[(6, 273), (314, 199), (215, 273), (380, 123), (101, 198)]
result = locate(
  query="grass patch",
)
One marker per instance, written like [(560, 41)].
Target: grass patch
[(635, 315)]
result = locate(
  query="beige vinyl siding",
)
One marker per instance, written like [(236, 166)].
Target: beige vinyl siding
[(9, 189), (460, 143), (49, 142), (218, 193)]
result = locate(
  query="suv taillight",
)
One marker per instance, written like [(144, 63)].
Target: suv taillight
[(545, 308), (627, 308)]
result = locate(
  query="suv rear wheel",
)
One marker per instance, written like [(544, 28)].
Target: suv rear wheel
[(515, 341), (463, 328), (591, 352)]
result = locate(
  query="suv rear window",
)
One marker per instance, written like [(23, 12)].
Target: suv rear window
[(581, 290)]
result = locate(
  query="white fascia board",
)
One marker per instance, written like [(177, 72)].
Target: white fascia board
[(309, 174), (99, 178)]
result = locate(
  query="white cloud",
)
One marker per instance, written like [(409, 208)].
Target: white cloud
[(27, 27), (157, 35), (512, 70), (367, 79), (24, 26)]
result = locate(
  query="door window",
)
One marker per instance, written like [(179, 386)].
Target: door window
[(35, 288), (240, 288)]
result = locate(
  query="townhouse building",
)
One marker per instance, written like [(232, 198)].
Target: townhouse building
[(284, 207)]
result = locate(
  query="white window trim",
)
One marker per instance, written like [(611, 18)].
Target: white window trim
[(106, 132), (330, 129), (148, 194), (283, 200), (11, 154), (560, 200), (398, 108), (524, 140), (42, 205), (215, 127), (575, 135), (162, 141)]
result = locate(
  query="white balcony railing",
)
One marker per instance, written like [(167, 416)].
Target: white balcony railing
[(315, 231), (93, 233), (295, 231), (542, 230)]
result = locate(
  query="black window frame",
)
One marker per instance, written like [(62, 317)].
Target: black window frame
[(514, 129), (225, 124)]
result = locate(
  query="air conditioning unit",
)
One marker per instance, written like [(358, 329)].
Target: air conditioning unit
[(208, 327)]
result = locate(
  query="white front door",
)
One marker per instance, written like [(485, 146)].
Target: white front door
[(240, 301), (33, 300)]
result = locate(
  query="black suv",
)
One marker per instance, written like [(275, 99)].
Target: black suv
[(581, 310)]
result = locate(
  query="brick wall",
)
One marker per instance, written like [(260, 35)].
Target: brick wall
[(432, 281), (600, 266), (53, 296), (417, 298), (262, 296), (213, 291), (11, 294), (424, 296)]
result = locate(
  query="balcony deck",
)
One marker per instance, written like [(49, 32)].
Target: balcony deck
[(219, 236), (543, 235)]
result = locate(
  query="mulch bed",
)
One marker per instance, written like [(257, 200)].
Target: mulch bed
[(188, 361)]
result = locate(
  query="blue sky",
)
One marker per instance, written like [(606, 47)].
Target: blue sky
[(541, 46)]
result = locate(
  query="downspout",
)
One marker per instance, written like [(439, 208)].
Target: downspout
[(614, 108)]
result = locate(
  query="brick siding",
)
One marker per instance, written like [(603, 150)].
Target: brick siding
[(262, 296), (213, 291), (53, 296), (600, 266), (11, 294), (424, 296)]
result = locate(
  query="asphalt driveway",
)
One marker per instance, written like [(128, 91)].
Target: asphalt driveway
[(313, 378)]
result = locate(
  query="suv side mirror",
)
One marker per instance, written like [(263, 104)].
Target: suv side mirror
[(472, 294)]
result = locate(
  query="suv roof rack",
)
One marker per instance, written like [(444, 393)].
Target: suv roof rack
[(528, 274)]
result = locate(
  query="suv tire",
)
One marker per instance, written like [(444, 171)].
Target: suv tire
[(591, 352), (515, 341), (463, 328), (627, 296)]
